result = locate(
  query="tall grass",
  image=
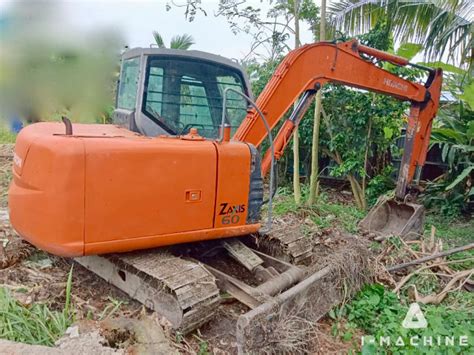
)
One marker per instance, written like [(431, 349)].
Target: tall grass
[(6, 136), (34, 324)]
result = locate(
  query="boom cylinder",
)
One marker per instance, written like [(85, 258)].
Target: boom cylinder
[(394, 59), (284, 135)]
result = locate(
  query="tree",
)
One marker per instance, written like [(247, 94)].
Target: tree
[(358, 128), (183, 41), (296, 140), (314, 182), (441, 27)]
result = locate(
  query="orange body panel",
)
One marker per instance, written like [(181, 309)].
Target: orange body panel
[(106, 189), (137, 189), (233, 185), (47, 208)]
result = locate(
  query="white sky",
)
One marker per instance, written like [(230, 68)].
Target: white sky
[(136, 19)]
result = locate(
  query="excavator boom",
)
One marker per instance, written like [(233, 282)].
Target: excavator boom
[(308, 68)]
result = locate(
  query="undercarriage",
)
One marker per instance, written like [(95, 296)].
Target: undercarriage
[(184, 283)]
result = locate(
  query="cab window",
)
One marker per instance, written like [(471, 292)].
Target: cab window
[(128, 86), (184, 93)]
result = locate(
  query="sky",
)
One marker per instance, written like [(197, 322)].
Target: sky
[(136, 19)]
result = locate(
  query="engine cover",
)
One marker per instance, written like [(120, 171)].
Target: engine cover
[(106, 189)]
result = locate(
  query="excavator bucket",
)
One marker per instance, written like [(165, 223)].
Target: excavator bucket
[(390, 217)]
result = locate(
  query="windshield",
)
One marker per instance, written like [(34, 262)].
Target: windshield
[(185, 93)]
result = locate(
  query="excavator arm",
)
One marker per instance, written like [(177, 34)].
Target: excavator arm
[(306, 70)]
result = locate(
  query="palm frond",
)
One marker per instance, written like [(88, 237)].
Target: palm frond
[(159, 40), (184, 41), (442, 27)]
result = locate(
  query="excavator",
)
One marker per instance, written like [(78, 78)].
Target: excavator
[(184, 163)]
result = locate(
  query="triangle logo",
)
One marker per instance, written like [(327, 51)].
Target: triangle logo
[(414, 318)]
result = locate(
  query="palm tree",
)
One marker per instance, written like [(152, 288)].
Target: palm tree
[(444, 28), (184, 41)]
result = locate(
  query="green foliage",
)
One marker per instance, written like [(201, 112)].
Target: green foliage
[(379, 313), (184, 41), (378, 37), (36, 323), (159, 39), (408, 50), (454, 231), (325, 214), (453, 132), (260, 73), (334, 214), (380, 184), (441, 27), (307, 12), (346, 127), (445, 66), (6, 136), (112, 307), (468, 98), (203, 344)]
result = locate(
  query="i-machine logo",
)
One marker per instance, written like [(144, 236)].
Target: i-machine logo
[(415, 319)]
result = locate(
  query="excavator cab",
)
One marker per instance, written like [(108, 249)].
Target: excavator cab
[(167, 92)]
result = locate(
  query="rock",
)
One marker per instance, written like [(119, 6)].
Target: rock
[(73, 332)]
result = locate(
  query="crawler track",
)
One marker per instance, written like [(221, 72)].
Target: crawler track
[(183, 291), (293, 246)]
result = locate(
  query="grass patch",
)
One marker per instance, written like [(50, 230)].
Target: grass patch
[(454, 232), (324, 213), (379, 313), (6, 136), (36, 323)]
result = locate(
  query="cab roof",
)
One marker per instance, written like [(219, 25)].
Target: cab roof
[(214, 58), (136, 52)]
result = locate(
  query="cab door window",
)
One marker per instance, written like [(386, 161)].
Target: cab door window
[(127, 95)]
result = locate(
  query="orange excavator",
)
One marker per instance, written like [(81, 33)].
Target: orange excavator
[(184, 163)]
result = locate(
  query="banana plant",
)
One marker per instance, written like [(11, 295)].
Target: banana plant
[(454, 134)]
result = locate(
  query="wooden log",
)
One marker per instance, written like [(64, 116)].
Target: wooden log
[(431, 257)]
